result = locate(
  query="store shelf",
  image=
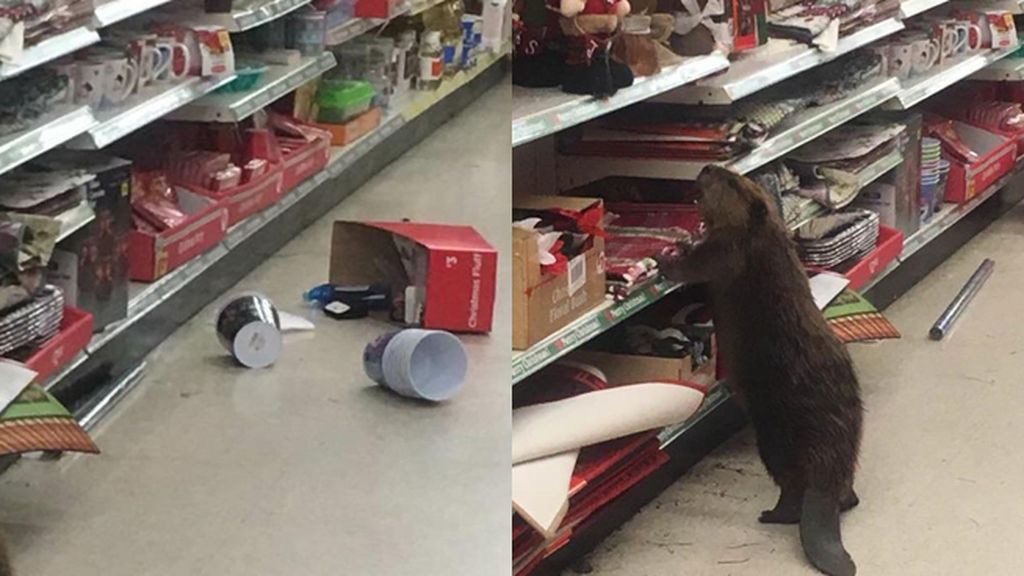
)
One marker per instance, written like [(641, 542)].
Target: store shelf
[(871, 173), (1005, 70), (49, 132), (50, 50), (119, 10), (585, 328), (416, 8), (911, 8), (539, 112), (143, 109), (916, 90), (278, 82), (771, 64), (716, 397), (943, 220), (243, 20), (145, 298), (350, 29), (74, 220), (803, 127)]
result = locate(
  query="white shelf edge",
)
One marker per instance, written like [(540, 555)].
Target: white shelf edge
[(49, 50), (912, 8), (144, 109), (241, 21), (349, 30), (235, 107), (1004, 70), (119, 10), (55, 129), (916, 90), (567, 110), (804, 127), (736, 83)]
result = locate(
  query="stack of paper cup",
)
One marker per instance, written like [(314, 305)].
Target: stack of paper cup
[(249, 327), (423, 364), (931, 172)]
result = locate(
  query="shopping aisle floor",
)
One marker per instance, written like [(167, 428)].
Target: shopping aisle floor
[(305, 469), (940, 469)]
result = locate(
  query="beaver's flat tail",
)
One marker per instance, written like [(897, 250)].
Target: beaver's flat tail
[(820, 536)]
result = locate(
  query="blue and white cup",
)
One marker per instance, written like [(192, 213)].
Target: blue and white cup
[(423, 364)]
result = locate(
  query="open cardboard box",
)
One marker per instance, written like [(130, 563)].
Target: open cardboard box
[(543, 303), (459, 268), (997, 157), (304, 163), (151, 256), (623, 369), (247, 199)]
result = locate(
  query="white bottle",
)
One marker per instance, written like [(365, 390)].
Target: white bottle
[(494, 25), (431, 61)]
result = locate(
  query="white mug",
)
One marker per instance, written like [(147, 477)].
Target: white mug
[(90, 83), (179, 59)]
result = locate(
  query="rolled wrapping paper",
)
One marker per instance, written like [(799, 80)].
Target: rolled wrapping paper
[(423, 364), (556, 427), (249, 327)]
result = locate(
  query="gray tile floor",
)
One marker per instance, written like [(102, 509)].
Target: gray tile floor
[(941, 466), (305, 469)]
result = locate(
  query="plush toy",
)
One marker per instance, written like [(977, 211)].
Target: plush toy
[(537, 60), (590, 28), (645, 34)]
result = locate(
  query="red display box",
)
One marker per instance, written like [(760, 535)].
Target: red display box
[(243, 201), (305, 163), (890, 245), (998, 156), (151, 256), (384, 9), (75, 334), (459, 267)]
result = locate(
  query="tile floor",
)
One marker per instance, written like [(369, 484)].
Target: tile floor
[(305, 469), (941, 465)]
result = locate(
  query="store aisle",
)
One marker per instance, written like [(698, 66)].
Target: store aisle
[(940, 470), (305, 469)]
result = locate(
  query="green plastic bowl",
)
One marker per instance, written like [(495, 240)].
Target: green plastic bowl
[(248, 75)]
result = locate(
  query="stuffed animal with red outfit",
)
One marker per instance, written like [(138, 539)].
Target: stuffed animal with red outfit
[(537, 59), (590, 27)]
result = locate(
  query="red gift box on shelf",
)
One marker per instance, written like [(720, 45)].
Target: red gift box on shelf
[(75, 334), (304, 161), (152, 255), (244, 200), (890, 245), (997, 156)]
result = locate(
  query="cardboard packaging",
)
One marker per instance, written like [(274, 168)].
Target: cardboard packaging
[(623, 369), (91, 266), (354, 129), (75, 334), (305, 162), (151, 256), (449, 271), (245, 200), (998, 156), (543, 303), (889, 247)]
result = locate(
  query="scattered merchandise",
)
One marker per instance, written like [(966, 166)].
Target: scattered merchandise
[(949, 316), (249, 327), (422, 364), (854, 319), (36, 422)]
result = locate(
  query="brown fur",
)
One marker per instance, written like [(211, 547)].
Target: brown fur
[(792, 374)]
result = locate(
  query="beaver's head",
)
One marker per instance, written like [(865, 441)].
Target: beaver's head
[(731, 200)]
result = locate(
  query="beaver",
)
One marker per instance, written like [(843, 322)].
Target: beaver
[(789, 371)]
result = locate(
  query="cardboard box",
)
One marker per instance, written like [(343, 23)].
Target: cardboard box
[(623, 369), (998, 156), (354, 129), (75, 334), (890, 244), (304, 163), (151, 256), (243, 201), (91, 266), (457, 268), (543, 303)]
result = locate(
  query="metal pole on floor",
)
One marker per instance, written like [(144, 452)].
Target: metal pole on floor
[(963, 298)]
